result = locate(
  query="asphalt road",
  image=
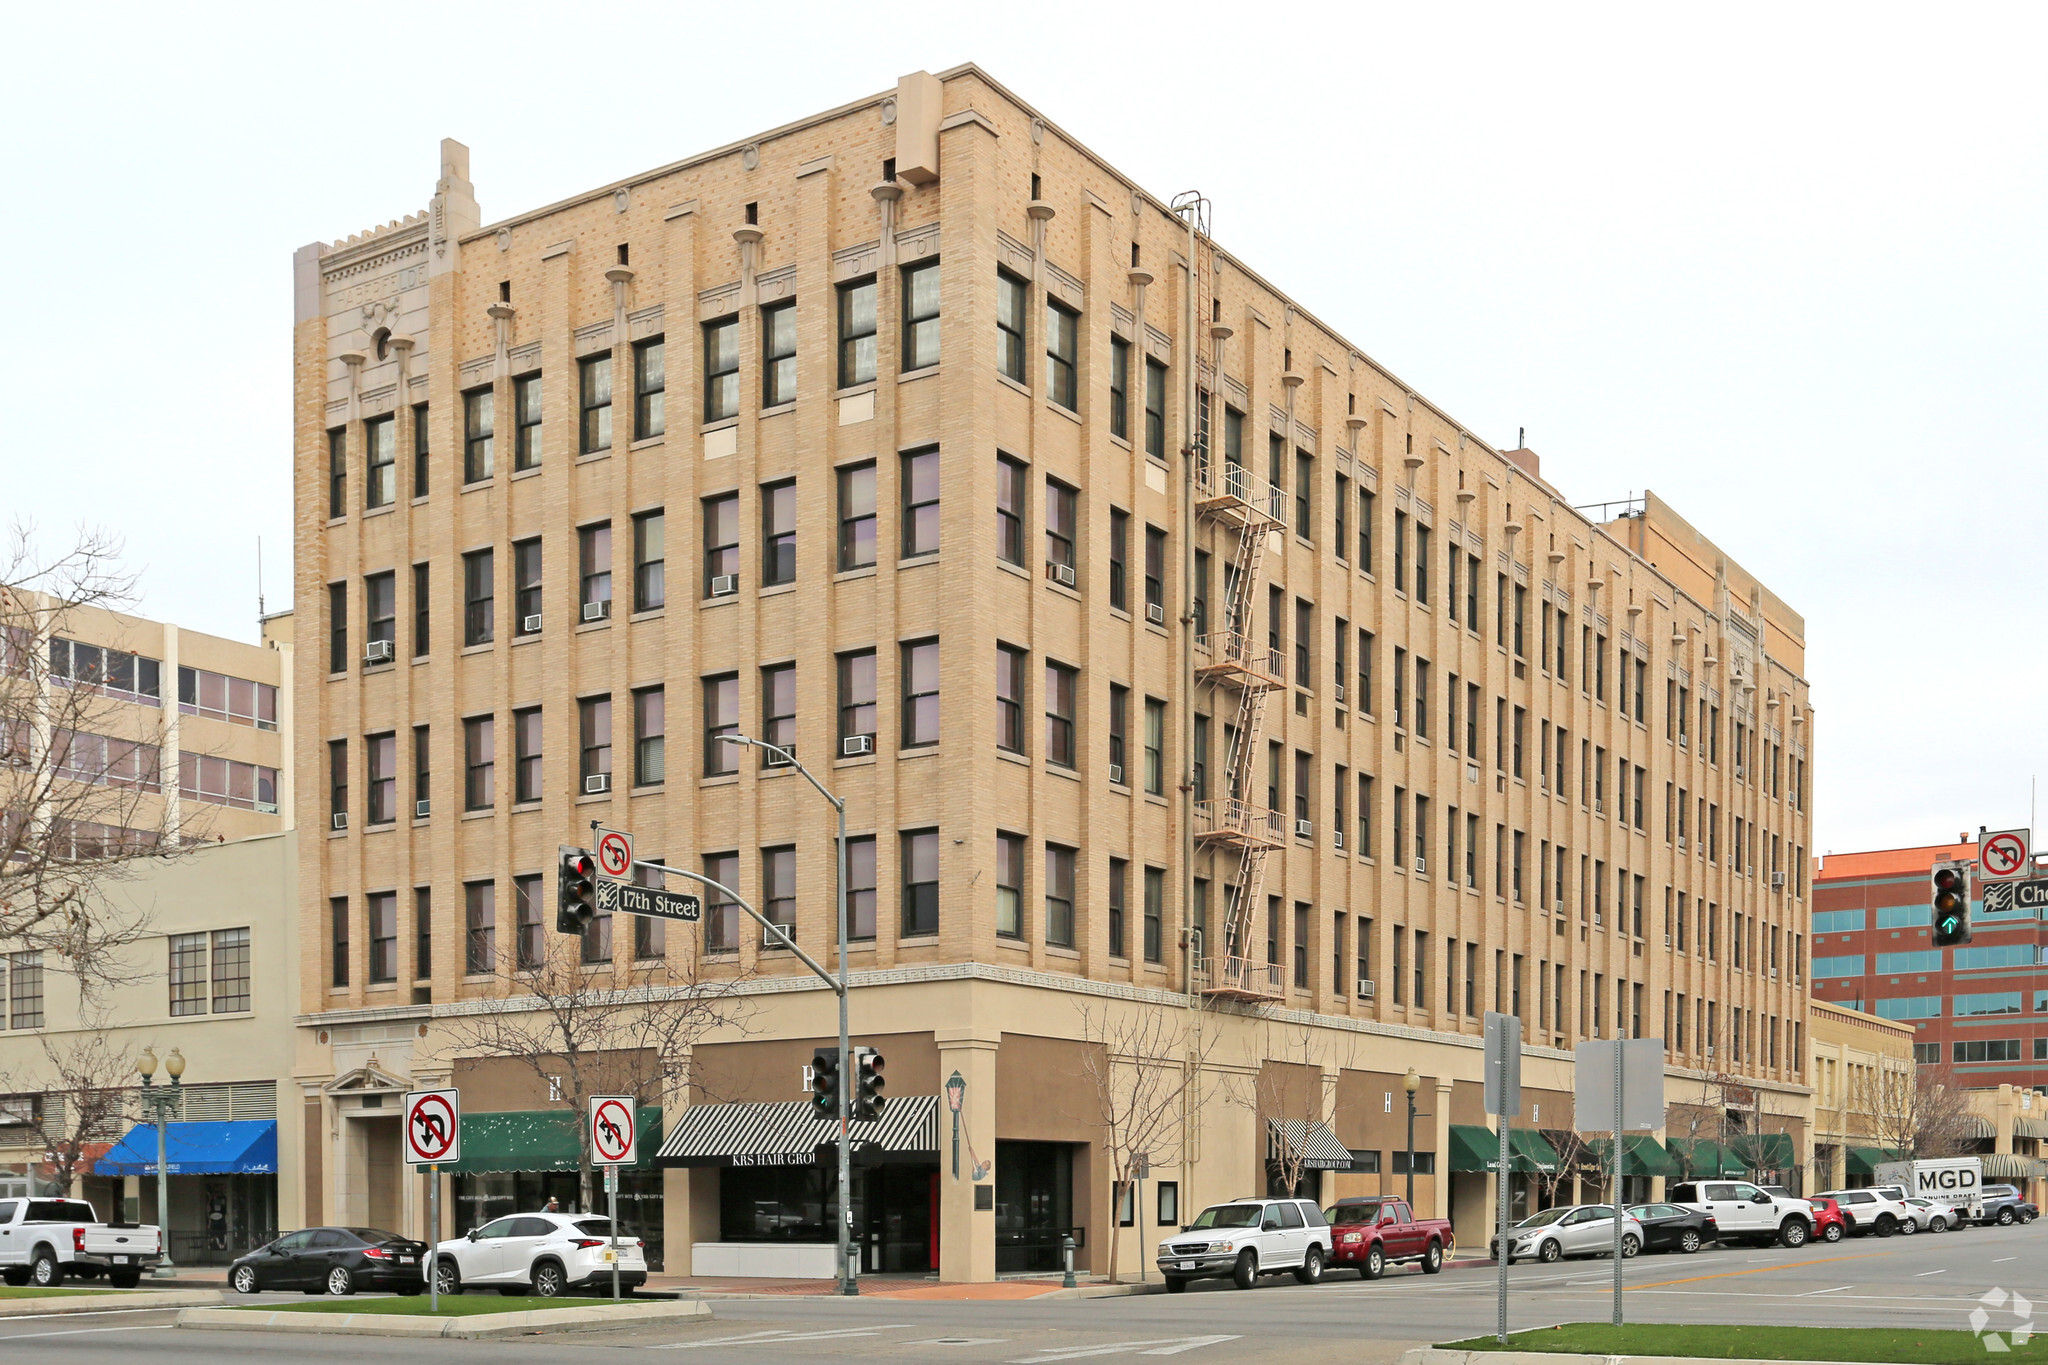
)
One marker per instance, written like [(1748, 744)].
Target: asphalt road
[(1926, 1281)]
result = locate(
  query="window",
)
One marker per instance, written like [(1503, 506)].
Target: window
[(1062, 351), (478, 406), (1155, 573), (226, 782), (920, 503), (594, 546), (856, 333), (778, 356), (423, 934), (480, 927), (721, 717), (381, 911), (650, 736), (480, 762), (422, 613), (1201, 594), (381, 754), (337, 628), (526, 431), (1366, 507), (857, 516), (1061, 527), (380, 456), (1987, 1050), (1155, 910), (1119, 559), (920, 693), (650, 584), (188, 974), (220, 697), (778, 892), (721, 544), (1909, 1007), (1400, 551), (1059, 715), (1010, 699), (722, 369), (857, 697), (1119, 881), (1851, 965), (1010, 885), (1010, 510), (778, 709), (721, 916), (921, 883), (1304, 485), (1304, 636), (337, 781), (337, 473), (594, 738), (1300, 945), (1059, 896), (1119, 731), (860, 888), (650, 388), (531, 941), (1120, 388), (1421, 563), (479, 616), (230, 970), (1155, 409), (1155, 747), (921, 315), (778, 533), (1992, 955), (420, 450), (594, 384), (1011, 301), (526, 583), (1989, 1002), (337, 950), (1169, 1202)]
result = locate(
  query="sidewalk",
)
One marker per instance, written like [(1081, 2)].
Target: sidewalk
[(891, 1287)]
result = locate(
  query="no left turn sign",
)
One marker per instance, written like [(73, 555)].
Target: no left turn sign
[(611, 1130), (2004, 855), (614, 853), (433, 1126)]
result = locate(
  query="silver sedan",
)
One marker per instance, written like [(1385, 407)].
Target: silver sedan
[(1930, 1217)]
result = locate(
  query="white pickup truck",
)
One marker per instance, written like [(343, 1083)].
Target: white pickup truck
[(44, 1240)]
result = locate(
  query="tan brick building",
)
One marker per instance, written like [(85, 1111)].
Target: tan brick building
[(938, 371)]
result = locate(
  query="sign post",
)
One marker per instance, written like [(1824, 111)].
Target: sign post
[(1504, 1102), (433, 1134), (1618, 1086), (612, 1146)]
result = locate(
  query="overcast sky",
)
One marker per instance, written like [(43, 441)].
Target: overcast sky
[(1782, 263)]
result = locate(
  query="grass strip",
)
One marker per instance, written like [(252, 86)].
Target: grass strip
[(1893, 1345), (415, 1305), (31, 1292)]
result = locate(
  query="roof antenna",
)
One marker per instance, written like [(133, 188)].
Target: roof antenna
[(1521, 438), (259, 580)]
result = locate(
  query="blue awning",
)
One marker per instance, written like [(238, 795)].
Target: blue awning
[(239, 1147)]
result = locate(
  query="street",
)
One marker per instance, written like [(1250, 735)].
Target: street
[(1929, 1280)]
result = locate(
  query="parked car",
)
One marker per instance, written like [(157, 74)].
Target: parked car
[(44, 1240), (1867, 1211), (1245, 1239), (333, 1261), (1928, 1216), (538, 1253), (1742, 1210), (1569, 1230), (1673, 1227), (2003, 1206), (1371, 1231), (1828, 1223)]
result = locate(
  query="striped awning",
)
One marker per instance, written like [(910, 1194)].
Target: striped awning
[(2033, 1128), (790, 1134), (1977, 1126), (1314, 1142), (2006, 1166)]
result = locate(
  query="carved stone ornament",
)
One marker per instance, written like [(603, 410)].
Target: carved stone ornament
[(889, 112), (504, 239), (622, 199), (750, 157)]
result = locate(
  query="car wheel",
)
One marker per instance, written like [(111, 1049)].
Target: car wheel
[(1831, 1233), (1550, 1252), (549, 1281), (1311, 1270), (341, 1280), (1937, 1224), (1630, 1245), (447, 1276), (1375, 1264), (2005, 1218), (1908, 1226), (1245, 1273), (244, 1279), (45, 1272), (1794, 1233), (1176, 1285), (1886, 1225), (1433, 1259), (1689, 1241)]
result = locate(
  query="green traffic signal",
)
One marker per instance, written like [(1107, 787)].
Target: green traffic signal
[(1950, 891)]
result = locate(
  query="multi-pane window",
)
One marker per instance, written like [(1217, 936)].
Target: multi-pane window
[(1010, 885), (1155, 409), (650, 581), (380, 753), (1012, 296), (778, 355), (778, 533), (114, 672), (722, 369), (337, 473), (856, 333), (778, 892), (920, 503), (479, 407), (337, 783), (1120, 388), (1010, 498), (856, 697), (1304, 489), (479, 600), (920, 883), (479, 763), (921, 315), (778, 708), (421, 449), (479, 927), (721, 544), (920, 674), (1155, 911), (188, 974), (1059, 896), (1062, 354), (650, 388), (1059, 715), (526, 755), (1119, 730), (380, 461), (860, 888), (1119, 559), (594, 384), (422, 610), (721, 914), (531, 930), (337, 942), (381, 912), (227, 782), (220, 697), (594, 742), (526, 585), (857, 516), (1155, 574), (650, 736), (230, 970), (526, 417), (1119, 896), (1010, 699), (594, 555), (337, 627), (1155, 747), (25, 990), (1061, 517), (721, 717), (1367, 506)]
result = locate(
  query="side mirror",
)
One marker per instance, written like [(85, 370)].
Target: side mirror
[(1761, 1198), (474, 1233)]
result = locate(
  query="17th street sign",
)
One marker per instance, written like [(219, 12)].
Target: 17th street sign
[(624, 898)]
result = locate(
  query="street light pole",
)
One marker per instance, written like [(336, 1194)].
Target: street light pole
[(1411, 1083), (162, 1100), (849, 1284)]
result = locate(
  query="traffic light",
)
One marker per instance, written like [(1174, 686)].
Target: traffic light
[(575, 891), (1950, 890), (825, 1083), (868, 1083)]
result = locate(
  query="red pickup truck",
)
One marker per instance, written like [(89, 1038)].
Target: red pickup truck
[(1368, 1231)]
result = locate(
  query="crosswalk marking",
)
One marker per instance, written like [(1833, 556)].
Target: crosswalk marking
[(1161, 1346), (777, 1336)]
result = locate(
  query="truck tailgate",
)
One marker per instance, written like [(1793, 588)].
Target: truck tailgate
[(106, 1241)]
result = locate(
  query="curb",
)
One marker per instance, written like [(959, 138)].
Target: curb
[(481, 1325), (112, 1298), (1437, 1355)]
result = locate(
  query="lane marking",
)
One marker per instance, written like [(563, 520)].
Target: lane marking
[(1836, 1290), (1190, 1345), (777, 1336), (1730, 1274), (2003, 1259), (1933, 1272), (1168, 1346), (84, 1331)]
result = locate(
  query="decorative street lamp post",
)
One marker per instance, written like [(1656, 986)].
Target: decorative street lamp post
[(164, 1100), (1411, 1083)]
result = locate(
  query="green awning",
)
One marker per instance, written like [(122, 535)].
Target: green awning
[(1531, 1151), (1703, 1158), (1764, 1151), (1865, 1160), (1641, 1154), (539, 1140), (1474, 1148)]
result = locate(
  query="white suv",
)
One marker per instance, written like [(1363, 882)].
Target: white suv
[(1873, 1210), (1742, 1209), (1245, 1239), (539, 1253)]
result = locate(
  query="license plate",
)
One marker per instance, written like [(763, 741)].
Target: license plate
[(408, 1260), (124, 1260), (1189, 1265)]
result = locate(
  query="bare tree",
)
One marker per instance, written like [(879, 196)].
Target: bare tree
[(1919, 1110), (582, 1034), (1289, 1112), (85, 1087), (1140, 1062), (1575, 1157)]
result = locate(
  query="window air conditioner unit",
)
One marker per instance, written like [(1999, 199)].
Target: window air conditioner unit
[(598, 611), (1304, 828), (1681, 843), (1337, 837), (1777, 881), (1340, 694), (530, 625), (1116, 773), (266, 807), (1710, 1049), (1422, 865), (339, 820), (771, 759), (1683, 742), (377, 652), (1599, 806), (1062, 574), (595, 784), (1155, 613), (725, 584), (856, 744), (1667, 940), (1365, 990), (422, 809)]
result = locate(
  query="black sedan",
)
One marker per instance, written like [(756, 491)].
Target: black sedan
[(1669, 1227), (333, 1261)]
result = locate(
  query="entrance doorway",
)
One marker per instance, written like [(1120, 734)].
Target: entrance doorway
[(1034, 1205)]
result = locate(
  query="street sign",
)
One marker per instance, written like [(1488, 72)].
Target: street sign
[(614, 853), (433, 1127), (1641, 1079), (611, 1130), (1503, 1038), (624, 898), (2005, 855), (2005, 897)]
